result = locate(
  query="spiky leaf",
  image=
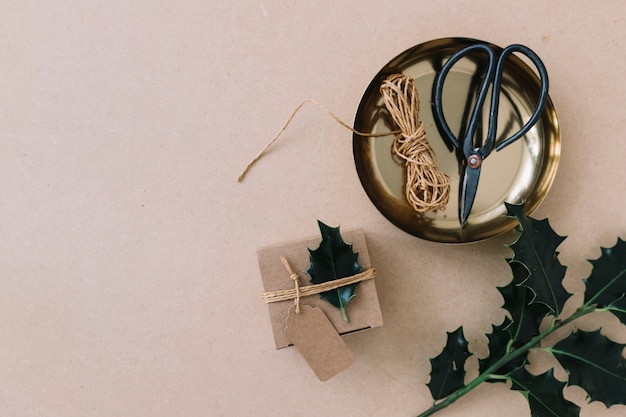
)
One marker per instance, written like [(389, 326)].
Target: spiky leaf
[(334, 259), (448, 368), (594, 363), (521, 325), (526, 316), (499, 342), (606, 286), (544, 394), (535, 249)]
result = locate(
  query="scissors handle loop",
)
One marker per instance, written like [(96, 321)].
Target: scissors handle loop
[(493, 78)]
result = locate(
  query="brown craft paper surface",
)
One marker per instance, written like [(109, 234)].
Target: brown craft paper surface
[(129, 278), (363, 310), (318, 342)]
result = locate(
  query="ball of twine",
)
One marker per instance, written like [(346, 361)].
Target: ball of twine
[(427, 188)]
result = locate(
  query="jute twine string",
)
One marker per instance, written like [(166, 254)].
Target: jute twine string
[(426, 187), (298, 292), (295, 277), (293, 114)]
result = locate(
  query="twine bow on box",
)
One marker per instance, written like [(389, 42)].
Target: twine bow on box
[(298, 292)]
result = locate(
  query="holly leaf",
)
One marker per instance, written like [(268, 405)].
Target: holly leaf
[(544, 394), (594, 363), (535, 249), (606, 286), (525, 315), (448, 369), (499, 342), (521, 325), (515, 331), (334, 259)]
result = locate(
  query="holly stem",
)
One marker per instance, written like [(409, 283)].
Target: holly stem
[(342, 307), (488, 373), (343, 314)]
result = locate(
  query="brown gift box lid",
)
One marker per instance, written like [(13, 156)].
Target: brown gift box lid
[(363, 310)]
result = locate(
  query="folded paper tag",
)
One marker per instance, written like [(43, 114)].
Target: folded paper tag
[(318, 342)]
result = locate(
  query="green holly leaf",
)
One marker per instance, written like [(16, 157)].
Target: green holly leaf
[(544, 394), (535, 249), (514, 332), (525, 315), (499, 345), (521, 325), (594, 363), (448, 369), (332, 260), (606, 286)]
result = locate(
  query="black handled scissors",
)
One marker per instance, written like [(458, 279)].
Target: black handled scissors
[(474, 150)]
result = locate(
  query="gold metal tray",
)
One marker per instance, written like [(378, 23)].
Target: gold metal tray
[(521, 172)]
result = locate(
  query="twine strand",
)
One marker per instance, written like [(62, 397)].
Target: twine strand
[(293, 114), (295, 277), (284, 295), (426, 187)]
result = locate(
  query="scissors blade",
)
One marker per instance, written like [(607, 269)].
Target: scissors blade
[(467, 192)]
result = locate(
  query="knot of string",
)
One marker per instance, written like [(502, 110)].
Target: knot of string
[(295, 277), (308, 290), (426, 187)]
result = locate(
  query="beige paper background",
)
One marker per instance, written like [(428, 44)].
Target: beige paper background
[(129, 284)]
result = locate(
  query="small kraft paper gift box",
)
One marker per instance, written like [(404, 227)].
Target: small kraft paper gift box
[(363, 310)]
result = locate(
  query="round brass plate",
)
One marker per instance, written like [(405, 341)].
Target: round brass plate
[(520, 172)]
